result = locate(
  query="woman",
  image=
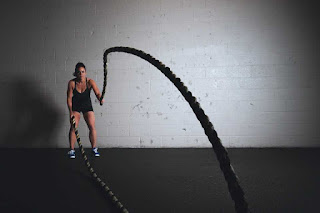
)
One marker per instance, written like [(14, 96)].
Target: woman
[(78, 100)]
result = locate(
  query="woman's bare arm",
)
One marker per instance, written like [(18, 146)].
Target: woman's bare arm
[(69, 96), (96, 90)]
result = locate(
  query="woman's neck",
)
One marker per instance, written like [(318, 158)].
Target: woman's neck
[(80, 80)]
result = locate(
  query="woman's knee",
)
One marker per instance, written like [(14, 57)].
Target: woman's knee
[(92, 127), (71, 126)]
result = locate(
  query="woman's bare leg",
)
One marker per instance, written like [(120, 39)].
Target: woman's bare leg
[(90, 120), (72, 135)]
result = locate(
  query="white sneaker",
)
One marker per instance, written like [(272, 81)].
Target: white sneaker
[(72, 154), (95, 152)]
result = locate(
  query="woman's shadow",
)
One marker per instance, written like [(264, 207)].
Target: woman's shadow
[(29, 117)]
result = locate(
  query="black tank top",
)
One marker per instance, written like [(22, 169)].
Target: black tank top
[(81, 100)]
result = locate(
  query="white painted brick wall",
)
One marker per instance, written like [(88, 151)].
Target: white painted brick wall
[(252, 65)]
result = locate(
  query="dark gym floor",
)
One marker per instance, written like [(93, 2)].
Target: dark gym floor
[(159, 180)]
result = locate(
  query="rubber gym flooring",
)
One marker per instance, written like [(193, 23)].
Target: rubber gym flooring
[(158, 180)]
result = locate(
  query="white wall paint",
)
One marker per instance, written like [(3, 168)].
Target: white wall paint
[(251, 64)]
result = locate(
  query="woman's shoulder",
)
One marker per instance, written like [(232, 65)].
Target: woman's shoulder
[(90, 81), (72, 82)]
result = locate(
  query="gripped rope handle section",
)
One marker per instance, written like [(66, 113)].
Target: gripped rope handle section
[(94, 175), (235, 190)]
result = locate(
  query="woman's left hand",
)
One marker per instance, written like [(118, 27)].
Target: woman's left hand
[(101, 102)]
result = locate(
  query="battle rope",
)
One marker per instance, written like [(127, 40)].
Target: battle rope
[(234, 187), (110, 194)]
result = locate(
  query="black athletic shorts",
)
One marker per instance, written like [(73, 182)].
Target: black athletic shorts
[(83, 109)]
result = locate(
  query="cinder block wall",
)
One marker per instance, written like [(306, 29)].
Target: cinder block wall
[(253, 66)]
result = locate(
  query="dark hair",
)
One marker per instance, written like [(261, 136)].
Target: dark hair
[(78, 65)]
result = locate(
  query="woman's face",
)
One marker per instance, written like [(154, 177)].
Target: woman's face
[(81, 74)]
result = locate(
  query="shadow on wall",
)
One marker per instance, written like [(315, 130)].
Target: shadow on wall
[(29, 119)]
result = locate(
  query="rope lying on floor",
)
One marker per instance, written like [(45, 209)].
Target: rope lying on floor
[(103, 185), (235, 189)]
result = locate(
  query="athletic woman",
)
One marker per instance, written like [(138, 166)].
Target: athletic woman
[(78, 100)]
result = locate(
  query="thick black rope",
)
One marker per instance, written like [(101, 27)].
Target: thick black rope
[(235, 189), (94, 175)]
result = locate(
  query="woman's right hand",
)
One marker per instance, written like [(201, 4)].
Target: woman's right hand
[(71, 116)]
